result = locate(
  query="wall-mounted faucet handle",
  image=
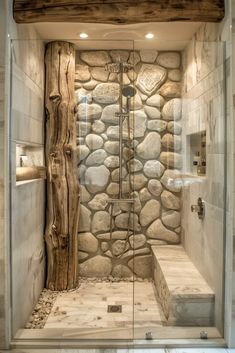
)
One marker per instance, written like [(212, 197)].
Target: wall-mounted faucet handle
[(199, 208)]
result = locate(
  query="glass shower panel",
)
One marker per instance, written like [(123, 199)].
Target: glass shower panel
[(180, 154)]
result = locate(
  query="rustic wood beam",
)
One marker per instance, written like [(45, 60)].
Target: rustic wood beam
[(62, 184), (118, 11)]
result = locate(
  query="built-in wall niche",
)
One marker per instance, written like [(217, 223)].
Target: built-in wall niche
[(196, 161), (29, 162)]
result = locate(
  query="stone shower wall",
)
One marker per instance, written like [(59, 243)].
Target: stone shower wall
[(154, 167)]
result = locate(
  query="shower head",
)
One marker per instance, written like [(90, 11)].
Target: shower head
[(129, 91), (118, 67)]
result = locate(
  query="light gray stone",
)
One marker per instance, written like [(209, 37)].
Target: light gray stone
[(98, 266), (124, 221), (170, 200), (171, 159), (135, 165), (113, 133), (82, 96), (144, 195), (135, 102), (158, 231), (138, 181), (88, 111), (153, 169), (99, 74), (99, 202), (155, 187), (137, 241), (119, 55), (142, 266), (113, 188), (85, 196), (171, 219), (106, 93), (87, 242), (95, 58), (96, 158), (118, 247), (149, 212), (169, 60), (82, 152), (94, 141), (152, 112), (81, 173), (138, 122), (171, 179), (90, 85), (134, 58), (119, 234), (150, 78), (108, 114), (115, 174), (174, 128), (148, 56), (174, 75), (121, 271), (98, 127), (82, 73), (156, 101), (84, 219), (112, 162), (112, 147), (157, 125), (83, 128), (96, 178), (100, 222), (150, 147), (171, 142), (172, 109), (170, 89)]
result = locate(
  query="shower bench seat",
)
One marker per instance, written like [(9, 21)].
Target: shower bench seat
[(184, 295)]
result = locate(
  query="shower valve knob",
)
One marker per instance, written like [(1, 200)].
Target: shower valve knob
[(199, 208)]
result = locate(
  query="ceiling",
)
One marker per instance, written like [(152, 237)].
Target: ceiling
[(168, 35)]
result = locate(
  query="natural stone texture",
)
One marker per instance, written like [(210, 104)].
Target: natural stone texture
[(153, 169), (142, 266), (113, 76), (152, 112), (171, 159), (138, 122), (84, 219), (112, 147), (98, 266), (171, 219), (171, 179), (136, 252), (174, 128), (123, 221), (82, 152), (169, 60), (178, 230), (82, 96), (170, 90), (83, 128), (96, 178), (88, 111), (172, 109), (134, 58), (82, 256), (82, 73), (99, 202), (137, 241), (113, 188), (121, 271), (85, 196), (128, 153), (95, 58), (113, 133), (94, 141), (144, 195), (157, 231), (119, 234), (150, 147), (108, 253), (106, 93), (104, 246), (87, 242), (135, 165), (155, 187), (96, 158), (148, 56), (170, 201), (80, 141), (138, 181), (98, 127), (154, 242), (125, 79), (99, 74), (118, 247), (115, 174), (157, 125), (171, 142), (132, 75), (90, 84), (100, 222), (149, 212), (135, 102), (81, 173), (156, 101), (112, 162), (108, 114), (119, 55), (150, 78), (174, 75)]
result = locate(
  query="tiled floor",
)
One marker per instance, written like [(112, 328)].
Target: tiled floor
[(160, 350)]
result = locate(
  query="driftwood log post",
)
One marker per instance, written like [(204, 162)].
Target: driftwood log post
[(62, 184)]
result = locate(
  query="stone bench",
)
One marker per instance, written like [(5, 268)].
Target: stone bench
[(184, 295)]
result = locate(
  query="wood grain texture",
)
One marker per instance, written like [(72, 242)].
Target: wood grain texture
[(117, 11), (62, 185)]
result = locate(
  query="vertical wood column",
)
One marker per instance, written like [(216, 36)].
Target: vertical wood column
[(62, 184)]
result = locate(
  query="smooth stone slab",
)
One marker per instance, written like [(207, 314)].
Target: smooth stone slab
[(96, 158), (94, 141), (82, 73), (108, 114), (88, 111), (171, 219), (171, 142), (150, 147), (142, 266), (171, 90), (106, 93), (149, 212), (99, 74), (153, 169), (156, 101), (100, 222), (87, 242), (171, 159), (148, 56), (172, 109), (150, 78), (95, 58), (171, 179), (96, 178), (169, 60), (97, 266), (170, 200), (158, 231), (152, 112), (157, 125), (99, 202), (84, 219), (155, 187), (174, 128)]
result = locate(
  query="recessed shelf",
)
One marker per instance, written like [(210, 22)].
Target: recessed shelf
[(196, 154)]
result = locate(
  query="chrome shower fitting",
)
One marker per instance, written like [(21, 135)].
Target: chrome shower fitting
[(199, 208)]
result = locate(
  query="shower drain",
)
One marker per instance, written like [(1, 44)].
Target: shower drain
[(114, 308)]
